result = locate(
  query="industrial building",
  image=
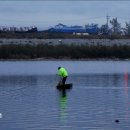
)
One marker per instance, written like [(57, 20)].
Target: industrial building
[(90, 29)]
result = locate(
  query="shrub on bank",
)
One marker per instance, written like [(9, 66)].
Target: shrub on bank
[(27, 51)]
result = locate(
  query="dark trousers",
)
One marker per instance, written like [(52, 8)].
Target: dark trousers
[(64, 80)]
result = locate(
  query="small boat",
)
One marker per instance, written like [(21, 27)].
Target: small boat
[(66, 86)]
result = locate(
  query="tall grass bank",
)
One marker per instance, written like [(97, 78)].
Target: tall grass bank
[(63, 51)]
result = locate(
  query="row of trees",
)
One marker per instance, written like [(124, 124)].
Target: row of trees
[(28, 51), (116, 28)]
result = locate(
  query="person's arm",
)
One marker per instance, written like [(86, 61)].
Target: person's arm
[(59, 73)]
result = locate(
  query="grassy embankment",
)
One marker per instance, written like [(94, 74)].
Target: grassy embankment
[(55, 35), (27, 51)]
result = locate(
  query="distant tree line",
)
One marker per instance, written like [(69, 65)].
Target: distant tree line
[(61, 51), (111, 29), (115, 28)]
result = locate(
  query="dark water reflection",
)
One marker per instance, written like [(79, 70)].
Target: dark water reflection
[(95, 102)]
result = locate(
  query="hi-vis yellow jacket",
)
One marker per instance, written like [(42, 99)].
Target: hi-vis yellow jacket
[(62, 72)]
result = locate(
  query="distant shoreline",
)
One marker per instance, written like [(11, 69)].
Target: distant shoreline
[(67, 59)]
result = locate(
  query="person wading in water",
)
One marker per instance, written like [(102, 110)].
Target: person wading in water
[(62, 72)]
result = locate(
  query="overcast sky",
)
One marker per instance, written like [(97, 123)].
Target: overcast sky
[(49, 13)]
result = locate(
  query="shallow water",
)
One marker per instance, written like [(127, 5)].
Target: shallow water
[(30, 101)]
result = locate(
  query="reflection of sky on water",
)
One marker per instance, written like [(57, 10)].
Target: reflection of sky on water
[(73, 67), (92, 100), (95, 101), (126, 88)]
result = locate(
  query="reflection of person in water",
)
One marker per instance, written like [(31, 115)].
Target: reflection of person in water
[(63, 106)]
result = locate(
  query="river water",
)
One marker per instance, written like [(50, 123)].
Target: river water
[(100, 95)]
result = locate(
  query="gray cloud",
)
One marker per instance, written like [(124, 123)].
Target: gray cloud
[(46, 13)]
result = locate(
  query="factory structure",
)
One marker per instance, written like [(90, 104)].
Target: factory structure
[(87, 29), (91, 29), (18, 29), (60, 28)]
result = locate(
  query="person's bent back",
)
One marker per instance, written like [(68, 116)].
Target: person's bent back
[(63, 73)]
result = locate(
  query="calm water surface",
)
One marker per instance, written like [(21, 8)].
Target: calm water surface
[(30, 101)]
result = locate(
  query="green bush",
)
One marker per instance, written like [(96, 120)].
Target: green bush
[(28, 51)]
